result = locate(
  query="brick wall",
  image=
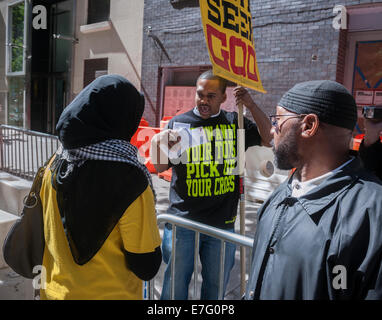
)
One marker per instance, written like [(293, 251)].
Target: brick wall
[(287, 34), (341, 56)]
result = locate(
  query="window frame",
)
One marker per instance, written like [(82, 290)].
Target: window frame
[(88, 15), (8, 53)]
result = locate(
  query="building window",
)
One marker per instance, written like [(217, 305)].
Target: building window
[(98, 11), (15, 39), (15, 63), (2, 107), (94, 68), (16, 101)]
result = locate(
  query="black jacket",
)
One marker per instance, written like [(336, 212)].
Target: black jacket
[(326, 244), (372, 157)]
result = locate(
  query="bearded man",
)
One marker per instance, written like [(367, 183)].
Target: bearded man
[(319, 235)]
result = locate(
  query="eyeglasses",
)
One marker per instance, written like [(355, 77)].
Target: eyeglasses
[(274, 119)]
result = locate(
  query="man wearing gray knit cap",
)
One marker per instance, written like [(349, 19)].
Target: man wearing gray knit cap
[(319, 235)]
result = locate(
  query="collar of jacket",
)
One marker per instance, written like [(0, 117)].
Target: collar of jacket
[(323, 195)]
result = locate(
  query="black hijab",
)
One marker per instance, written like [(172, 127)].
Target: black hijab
[(93, 195), (108, 108)]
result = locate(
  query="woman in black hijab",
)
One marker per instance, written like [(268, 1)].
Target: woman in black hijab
[(101, 236)]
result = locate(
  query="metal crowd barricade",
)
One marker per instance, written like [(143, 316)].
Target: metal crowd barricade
[(23, 151), (224, 236)]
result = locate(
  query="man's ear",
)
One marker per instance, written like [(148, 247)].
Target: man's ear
[(310, 125), (224, 97)]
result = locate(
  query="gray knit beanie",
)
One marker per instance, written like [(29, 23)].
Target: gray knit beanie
[(329, 100)]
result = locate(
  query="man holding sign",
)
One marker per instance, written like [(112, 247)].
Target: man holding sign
[(201, 147)]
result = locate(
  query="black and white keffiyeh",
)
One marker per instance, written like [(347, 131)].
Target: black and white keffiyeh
[(110, 150)]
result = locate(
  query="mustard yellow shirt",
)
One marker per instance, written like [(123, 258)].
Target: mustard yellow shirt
[(105, 276)]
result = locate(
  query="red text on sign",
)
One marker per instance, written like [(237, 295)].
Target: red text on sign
[(224, 55)]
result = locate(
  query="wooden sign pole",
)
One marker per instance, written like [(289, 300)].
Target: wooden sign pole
[(241, 162)]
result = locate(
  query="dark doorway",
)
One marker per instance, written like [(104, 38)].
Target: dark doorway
[(51, 65)]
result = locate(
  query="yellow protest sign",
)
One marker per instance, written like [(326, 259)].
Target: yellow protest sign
[(228, 32)]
